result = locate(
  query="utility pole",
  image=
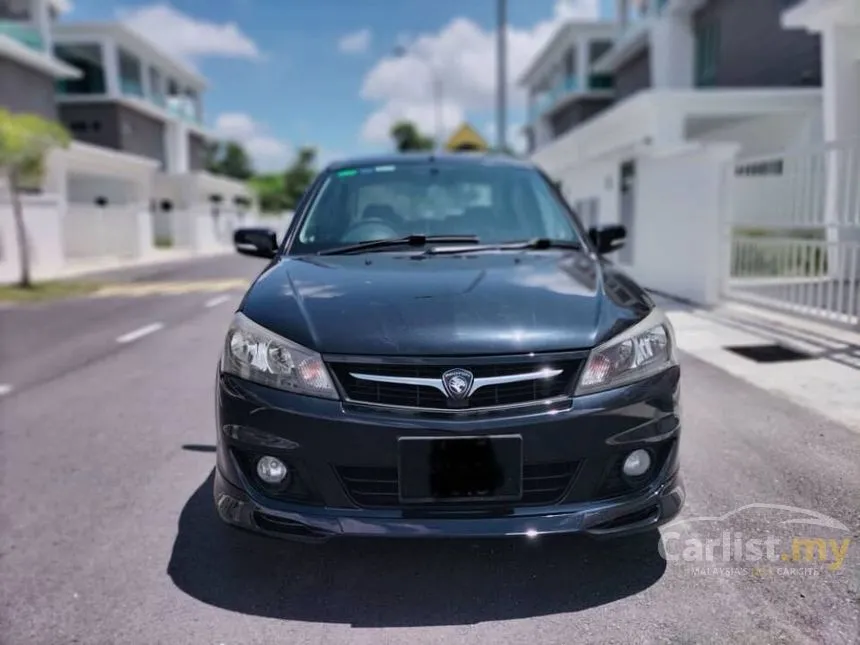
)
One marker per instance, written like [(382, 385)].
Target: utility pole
[(437, 104), (501, 80)]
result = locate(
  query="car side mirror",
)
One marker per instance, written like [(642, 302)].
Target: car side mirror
[(608, 238), (257, 242)]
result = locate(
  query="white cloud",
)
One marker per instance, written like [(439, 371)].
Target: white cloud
[(463, 56), (325, 157), (357, 42), (187, 37), (62, 6), (267, 152)]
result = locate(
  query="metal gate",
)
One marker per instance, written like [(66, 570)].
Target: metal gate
[(792, 232)]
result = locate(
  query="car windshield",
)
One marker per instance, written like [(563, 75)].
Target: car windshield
[(494, 203)]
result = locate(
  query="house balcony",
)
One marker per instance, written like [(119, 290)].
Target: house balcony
[(568, 87), (24, 33), (131, 87)]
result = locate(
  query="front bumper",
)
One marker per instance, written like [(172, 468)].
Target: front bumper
[(319, 439)]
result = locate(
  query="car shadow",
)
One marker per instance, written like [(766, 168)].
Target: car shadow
[(402, 583), (198, 447)]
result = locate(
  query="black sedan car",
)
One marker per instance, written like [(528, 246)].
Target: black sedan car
[(438, 348)]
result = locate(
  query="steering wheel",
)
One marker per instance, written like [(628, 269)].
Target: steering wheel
[(370, 229)]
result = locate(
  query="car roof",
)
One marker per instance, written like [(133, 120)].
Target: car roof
[(452, 158)]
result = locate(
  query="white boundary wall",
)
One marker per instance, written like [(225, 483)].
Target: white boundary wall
[(42, 218), (111, 231)]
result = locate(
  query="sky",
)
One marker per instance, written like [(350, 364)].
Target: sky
[(288, 73)]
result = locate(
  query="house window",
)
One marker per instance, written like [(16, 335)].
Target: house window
[(760, 168), (88, 59), (130, 77), (707, 53)]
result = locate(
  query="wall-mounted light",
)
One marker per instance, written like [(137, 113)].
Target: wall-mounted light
[(215, 200)]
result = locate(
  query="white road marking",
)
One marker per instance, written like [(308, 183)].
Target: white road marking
[(140, 333), (5, 388), (217, 300)]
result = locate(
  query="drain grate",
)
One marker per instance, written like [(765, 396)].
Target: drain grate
[(769, 353)]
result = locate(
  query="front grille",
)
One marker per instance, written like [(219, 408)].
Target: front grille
[(428, 397), (370, 487)]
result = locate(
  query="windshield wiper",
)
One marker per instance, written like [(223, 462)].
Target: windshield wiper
[(409, 240), (537, 244)]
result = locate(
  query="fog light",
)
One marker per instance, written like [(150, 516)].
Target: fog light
[(637, 463), (271, 470)]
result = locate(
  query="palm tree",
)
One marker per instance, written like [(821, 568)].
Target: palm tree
[(25, 140)]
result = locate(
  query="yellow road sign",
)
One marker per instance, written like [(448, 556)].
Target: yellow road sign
[(467, 138)]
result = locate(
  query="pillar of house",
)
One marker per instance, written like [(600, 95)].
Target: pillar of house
[(841, 105), (838, 24), (110, 61), (42, 18), (583, 65), (673, 46)]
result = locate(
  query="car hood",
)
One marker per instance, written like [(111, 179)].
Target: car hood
[(445, 305)]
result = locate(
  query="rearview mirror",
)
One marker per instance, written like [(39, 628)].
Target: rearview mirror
[(608, 238), (257, 242)]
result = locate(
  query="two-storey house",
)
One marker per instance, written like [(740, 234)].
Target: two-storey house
[(136, 168), (682, 73), (563, 88)]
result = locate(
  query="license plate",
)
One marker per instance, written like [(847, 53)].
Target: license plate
[(460, 469)]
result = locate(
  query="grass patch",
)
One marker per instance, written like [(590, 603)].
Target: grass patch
[(52, 290), (163, 242)]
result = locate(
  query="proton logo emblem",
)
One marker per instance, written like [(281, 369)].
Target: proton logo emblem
[(457, 383)]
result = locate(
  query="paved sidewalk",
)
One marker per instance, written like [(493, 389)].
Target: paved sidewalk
[(81, 268), (827, 380)]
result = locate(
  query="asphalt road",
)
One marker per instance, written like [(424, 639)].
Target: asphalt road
[(109, 535)]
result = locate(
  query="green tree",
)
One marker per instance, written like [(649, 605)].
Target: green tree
[(25, 140), (407, 137), (211, 155), (230, 159), (299, 175), (270, 190)]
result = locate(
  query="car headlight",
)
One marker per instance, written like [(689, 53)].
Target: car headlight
[(256, 354), (643, 350)]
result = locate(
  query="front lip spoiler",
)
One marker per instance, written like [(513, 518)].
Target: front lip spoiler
[(604, 519)]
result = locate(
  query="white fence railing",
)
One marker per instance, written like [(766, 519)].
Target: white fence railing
[(793, 232)]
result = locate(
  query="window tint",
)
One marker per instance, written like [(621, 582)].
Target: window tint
[(494, 203)]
